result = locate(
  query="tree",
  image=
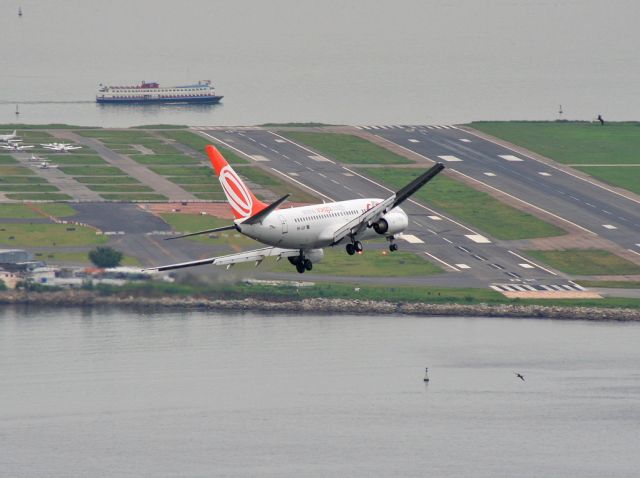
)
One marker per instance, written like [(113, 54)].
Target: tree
[(105, 257)]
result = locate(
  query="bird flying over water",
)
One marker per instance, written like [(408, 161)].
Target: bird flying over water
[(520, 376)]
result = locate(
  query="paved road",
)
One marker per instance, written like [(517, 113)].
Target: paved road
[(573, 198), (457, 248)]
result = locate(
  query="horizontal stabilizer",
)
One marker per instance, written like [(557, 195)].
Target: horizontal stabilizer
[(259, 217), (208, 231)]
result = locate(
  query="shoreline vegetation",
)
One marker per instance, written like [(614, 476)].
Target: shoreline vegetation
[(326, 306)]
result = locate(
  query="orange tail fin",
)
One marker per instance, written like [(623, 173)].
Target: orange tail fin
[(242, 201)]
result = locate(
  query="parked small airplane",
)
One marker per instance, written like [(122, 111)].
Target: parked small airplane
[(6, 138), (13, 146), (46, 164), (300, 233), (60, 147)]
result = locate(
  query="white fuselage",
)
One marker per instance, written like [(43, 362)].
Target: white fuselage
[(311, 227)]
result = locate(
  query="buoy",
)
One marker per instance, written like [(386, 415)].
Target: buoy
[(426, 374), (19, 11)]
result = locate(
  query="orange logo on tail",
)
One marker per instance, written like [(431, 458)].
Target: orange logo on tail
[(242, 201)]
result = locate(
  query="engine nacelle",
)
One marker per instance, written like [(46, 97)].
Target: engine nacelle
[(392, 223), (315, 255)]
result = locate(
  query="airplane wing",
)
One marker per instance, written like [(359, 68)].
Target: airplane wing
[(256, 255), (71, 148), (360, 223)]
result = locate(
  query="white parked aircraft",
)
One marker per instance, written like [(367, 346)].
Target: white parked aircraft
[(46, 164), (300, 233), (60, 147), (6, 138), (12, 146)]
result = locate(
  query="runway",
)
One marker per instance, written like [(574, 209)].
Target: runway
[(468, 257)]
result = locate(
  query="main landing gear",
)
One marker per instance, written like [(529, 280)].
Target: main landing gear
[(302, 263), (353, 247)]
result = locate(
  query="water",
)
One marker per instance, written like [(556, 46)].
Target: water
[(116, 393), (388, 62)]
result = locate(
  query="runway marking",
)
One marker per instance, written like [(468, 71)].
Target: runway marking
[(497, 266), (450, 158), (411, 140), (532, 263), (251, 139), (302, 184), (348, 174), (264, 145), (463, 266), (320, 174), (280, 140), (609, 226), (465, 140), (410, 200), (317, 157), (556, 168), (524, 265), (513, 274), (299, 145), (637, 245), (463, 249), (285, 156), (417, 223), (442, 262), (489, 174), (527, 203), (480, 239), (510, 157), (232, 147), (294, 174), (480, 258), (297, 162), (606, 212), (411, 239), (435, 218), (444, 238), (589, 204), (542, 173), (334, 181), (635, 252)]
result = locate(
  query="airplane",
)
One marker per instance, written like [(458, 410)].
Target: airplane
[(36, 158), (60, 147), (6, 138), (13, 146), (46, 164), (301, 233)]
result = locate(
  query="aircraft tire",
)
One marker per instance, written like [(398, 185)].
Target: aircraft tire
[(393, 247), (351, 250), (358, 246), (308, 265), (300, 267)]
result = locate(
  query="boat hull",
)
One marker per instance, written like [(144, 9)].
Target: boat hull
[(139, 101)]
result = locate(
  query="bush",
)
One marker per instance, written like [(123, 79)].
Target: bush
[(105, 257)]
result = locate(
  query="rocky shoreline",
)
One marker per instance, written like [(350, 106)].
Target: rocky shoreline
[(316, 306)]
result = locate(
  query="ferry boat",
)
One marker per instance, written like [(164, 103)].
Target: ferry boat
[(152, 92)]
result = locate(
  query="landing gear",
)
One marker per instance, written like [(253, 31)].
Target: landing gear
[(353, 247), (302, 264), (392, 245)]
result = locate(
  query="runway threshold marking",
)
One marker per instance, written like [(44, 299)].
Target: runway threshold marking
[(532, 263), (609, 226), (480, 239), (442, 262), (314, 153), (510, 157), (411, 239), (525, 202), (555, 167), (542, 173), (489, 174), (450, 158)]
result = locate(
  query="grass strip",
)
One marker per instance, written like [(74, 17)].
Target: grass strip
[(92, 171), (28, 188), (586, 262), (476, 208), (164, 159), (347, 148), (39, 196), (133, 197), (120, 188), (106, 180), (15, 171), (43, 235), (610, 284), (621, 176)]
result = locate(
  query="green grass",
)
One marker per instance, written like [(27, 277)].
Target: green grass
[(57, 210), (106, 180), (91, 171), (70, 159), (627, 177), (572, 142), (6, 159), (15, 171), (184, 171), (610, 284), (372, 263), (17, 211), (164, 159), (193, 180), (80, 258), (133, 197), (39, 196), (273, 183), (476, 208), (120, 188), (346, 148), (33, 188), (210, 196), (44, 235), (129, 136), (586, 262), (22, 180), (194, 141), (202, 188)]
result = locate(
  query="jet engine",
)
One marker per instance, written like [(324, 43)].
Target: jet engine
[(392, 223)]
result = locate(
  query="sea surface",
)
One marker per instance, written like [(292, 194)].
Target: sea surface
[(114, 393), (383, 62)]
